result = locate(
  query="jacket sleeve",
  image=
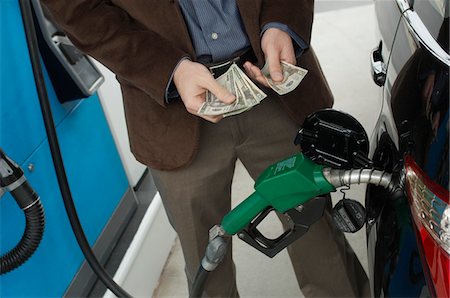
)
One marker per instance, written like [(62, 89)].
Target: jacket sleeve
[(296, 14), (106, 32)]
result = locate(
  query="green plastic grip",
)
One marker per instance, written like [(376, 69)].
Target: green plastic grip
[(283, 186)]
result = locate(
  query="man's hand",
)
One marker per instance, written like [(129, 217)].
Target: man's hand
[(192, 80), (277, 46)]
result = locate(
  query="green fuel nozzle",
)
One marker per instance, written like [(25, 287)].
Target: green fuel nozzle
[(283, 186), (294, 187)]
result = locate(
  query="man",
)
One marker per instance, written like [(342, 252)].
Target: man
[(158, 50)]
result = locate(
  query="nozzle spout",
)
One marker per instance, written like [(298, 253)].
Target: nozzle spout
[(337, 177)]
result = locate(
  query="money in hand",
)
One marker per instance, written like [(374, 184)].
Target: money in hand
[(292, 76), (246, 92)]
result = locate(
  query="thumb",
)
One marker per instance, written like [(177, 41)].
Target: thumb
[(276, 74), (220, 92)]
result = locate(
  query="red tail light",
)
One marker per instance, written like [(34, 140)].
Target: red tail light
[(430, 207)]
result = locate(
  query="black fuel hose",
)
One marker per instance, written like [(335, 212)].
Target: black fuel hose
[(198, 285), (56, 153), (34, 229), (214, 255), (13, 180)]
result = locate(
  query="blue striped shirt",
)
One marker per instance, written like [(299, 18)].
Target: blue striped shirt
[(215, 27), (217, 32)]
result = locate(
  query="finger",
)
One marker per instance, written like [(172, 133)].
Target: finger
[(255, 73), (213, 119), (273, 58), (194, 108), (248, 70), (222, 93), (193, 103), (288, 55)]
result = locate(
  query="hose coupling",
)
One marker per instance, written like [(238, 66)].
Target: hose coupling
[(339, 177), (216, 249)]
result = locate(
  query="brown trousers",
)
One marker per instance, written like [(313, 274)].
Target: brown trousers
[(197, 197)]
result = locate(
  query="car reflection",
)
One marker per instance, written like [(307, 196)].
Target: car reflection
[(420, 104)]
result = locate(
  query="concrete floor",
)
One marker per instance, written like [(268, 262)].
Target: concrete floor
[(343, 35)]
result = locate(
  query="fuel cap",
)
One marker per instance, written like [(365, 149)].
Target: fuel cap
[(335, 139), (349, 215)]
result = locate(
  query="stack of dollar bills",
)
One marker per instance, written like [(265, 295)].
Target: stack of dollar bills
[(246, 92)]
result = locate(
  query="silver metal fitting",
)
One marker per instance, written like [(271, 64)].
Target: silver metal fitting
[(5, 169), (216, 231), (215, 252), (32, 204), (16, 184), (337, 177)]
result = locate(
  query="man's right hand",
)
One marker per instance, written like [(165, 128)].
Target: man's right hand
[(192, 80)]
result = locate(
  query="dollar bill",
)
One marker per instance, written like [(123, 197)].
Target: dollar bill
[(258, 94), (213, 105), (240, 106), (247, 93), (292, 77), (236, 81)]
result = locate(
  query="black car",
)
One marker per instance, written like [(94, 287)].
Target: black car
[(409, 234)]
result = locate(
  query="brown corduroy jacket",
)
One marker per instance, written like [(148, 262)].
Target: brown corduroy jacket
[(142, 41)]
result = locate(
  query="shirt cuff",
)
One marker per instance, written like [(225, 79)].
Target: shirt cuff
[(299, 44), (171, 89)]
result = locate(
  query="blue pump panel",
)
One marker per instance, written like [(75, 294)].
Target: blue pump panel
[(93, 167)]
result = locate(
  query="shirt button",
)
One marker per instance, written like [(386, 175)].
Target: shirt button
[(214, 35)]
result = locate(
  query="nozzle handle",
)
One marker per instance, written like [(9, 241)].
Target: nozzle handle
[(13, 180), (10, 172), (244, 213)]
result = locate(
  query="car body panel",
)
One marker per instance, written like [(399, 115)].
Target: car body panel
[(414, 120)]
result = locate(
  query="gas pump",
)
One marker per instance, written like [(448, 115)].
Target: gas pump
[(73, 74), (41, 112)]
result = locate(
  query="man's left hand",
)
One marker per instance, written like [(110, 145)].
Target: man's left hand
[(277, 46)]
